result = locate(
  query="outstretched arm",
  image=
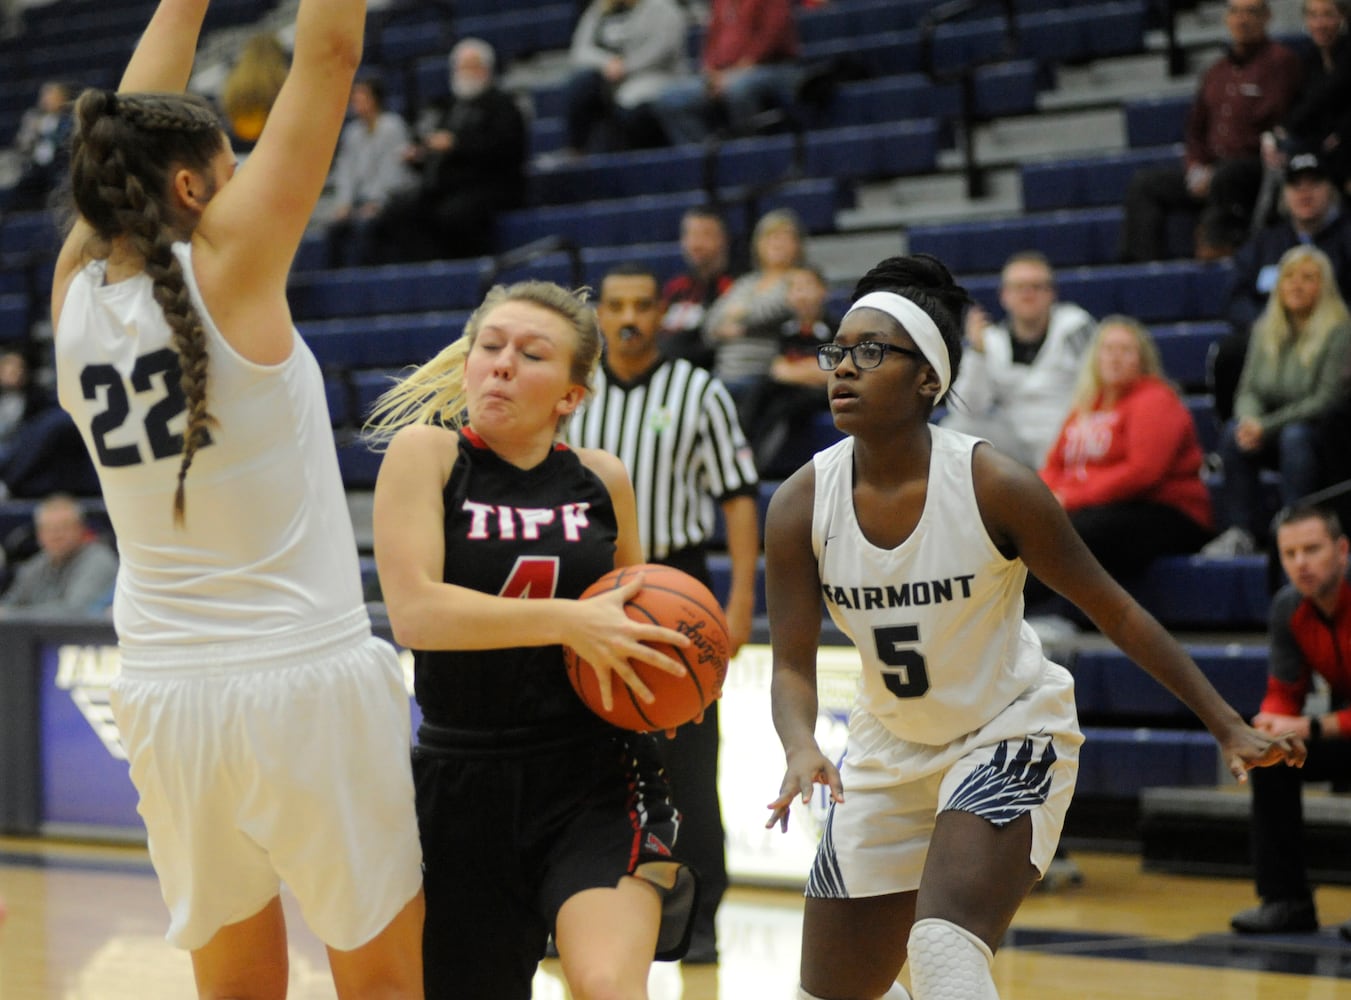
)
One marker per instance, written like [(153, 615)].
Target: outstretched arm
[(793, 591), (1023, 518)]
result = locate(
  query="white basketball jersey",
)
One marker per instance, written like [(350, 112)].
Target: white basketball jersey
[(268, 543), (938, 620)]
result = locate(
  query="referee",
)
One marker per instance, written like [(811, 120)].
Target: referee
[(674, 427)]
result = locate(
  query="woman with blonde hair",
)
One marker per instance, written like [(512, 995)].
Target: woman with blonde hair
[(1294, 375), (479, 504), (1126, 464), (266, 727)]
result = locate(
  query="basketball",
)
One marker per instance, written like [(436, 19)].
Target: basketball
[(675, 600)]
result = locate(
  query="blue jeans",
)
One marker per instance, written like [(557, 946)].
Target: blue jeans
[(685, 109), (1292, 451)]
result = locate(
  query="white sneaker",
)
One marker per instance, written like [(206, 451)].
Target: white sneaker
[(1231, 542)]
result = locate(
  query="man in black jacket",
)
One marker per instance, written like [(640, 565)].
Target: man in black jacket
[(471, 156)]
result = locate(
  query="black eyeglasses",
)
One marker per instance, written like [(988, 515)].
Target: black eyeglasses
[(866, 354)]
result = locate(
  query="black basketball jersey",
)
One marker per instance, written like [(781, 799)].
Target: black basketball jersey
[(544, 532)]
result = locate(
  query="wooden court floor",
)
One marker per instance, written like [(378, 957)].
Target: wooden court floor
[(86, 923)]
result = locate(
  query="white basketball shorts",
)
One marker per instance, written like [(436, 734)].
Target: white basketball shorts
[(281, 760), (1024, 760)]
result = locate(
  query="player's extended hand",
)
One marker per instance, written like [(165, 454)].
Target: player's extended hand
[(1247, 748), (807, 768), (609, 640)]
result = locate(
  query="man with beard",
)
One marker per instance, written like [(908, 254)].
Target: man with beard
[(471, 157)]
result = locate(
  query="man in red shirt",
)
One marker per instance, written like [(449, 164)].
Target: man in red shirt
[(750, 61), (687, 296), (1310, 635), (1245, 93)]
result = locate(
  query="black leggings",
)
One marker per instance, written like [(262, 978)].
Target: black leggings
[(1127, 537)]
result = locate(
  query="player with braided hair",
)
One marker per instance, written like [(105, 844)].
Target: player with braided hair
[(267, 729), (963, 743)]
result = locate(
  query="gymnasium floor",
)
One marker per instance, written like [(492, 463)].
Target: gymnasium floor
[(86, 923)]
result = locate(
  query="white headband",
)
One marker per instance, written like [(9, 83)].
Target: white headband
[(922, 329)]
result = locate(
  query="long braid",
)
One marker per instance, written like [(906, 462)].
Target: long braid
[(129, 183)]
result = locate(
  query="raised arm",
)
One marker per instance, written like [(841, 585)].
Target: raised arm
[(162, 61), (164, 56), (248, 235)]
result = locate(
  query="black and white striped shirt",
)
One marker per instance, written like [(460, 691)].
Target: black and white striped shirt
[(675, 429)]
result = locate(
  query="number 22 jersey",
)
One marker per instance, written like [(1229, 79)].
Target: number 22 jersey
[(938, 620), (267, 545)]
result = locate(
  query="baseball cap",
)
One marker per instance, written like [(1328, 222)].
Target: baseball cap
[(1305, 163)]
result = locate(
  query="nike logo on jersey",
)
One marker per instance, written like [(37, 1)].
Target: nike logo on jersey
[(918, 594), (511, 523)]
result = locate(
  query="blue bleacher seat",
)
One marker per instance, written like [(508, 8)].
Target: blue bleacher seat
[(1184, 349), (1107, 683), (1081, 182), (1161, 292), (15, 317), (358, 465), (1067, 238), (1156, 121), (1118, 763)]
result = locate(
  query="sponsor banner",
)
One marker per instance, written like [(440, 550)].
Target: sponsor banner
[(85, 778)]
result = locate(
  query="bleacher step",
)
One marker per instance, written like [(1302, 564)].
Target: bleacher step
[(1110, 81), (1011, 141), (939, 197), (1205, 831)]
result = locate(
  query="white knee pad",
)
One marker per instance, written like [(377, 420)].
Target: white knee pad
[(948, 962), (897, 992)]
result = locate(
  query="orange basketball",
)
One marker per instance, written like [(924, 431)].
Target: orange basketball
[(677, 601)]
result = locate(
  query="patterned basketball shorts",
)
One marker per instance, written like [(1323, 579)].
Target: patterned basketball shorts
[(1025, 760)]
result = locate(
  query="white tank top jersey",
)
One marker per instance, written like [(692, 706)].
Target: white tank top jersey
[(938, 620), (267, 544)]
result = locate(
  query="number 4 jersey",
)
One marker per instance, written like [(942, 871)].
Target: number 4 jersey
[(268, 542), (938, 619)]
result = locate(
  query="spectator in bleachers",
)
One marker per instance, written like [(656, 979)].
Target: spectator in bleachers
[(1127, 463), (743, 325), (1312, 215), (795, 391), (251, 87), (749, 63), (1015, 387), (684, 451), (470, 155), (41, 450), (1320, 120), (41, 144), (73, 570), (687, 297), (1309, 634), (624, 53), (1245, 93), (367, 171), (1293, 376)]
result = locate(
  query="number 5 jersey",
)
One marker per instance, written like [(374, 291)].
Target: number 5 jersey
[(268, 544), (938, 619)]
